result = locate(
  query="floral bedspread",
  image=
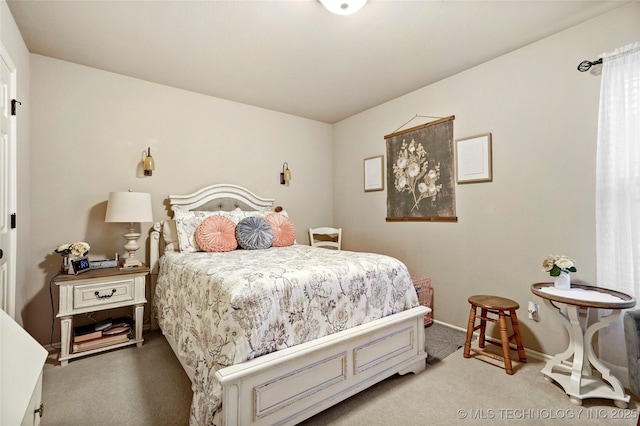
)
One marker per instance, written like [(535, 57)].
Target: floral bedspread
[(225, 308)]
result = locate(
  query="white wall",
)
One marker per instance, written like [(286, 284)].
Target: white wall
[(542, 114), (89, 128), (17, 50)]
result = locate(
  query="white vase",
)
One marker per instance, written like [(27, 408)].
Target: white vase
[(563, 281)]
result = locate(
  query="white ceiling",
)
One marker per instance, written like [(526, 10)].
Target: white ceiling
[(292, 56)]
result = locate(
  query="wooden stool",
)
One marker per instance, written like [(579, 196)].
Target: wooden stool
[(503, 308)]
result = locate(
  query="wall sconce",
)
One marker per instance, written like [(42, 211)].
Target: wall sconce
[(149, 165), (285, 176)]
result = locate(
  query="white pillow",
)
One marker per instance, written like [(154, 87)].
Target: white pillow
[(170, 235), (241, 214), (188, 222)]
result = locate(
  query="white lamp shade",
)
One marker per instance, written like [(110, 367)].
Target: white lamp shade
[(129, 207), (343, 7)]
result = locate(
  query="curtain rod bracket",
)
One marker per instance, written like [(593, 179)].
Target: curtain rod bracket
[(585, 65)]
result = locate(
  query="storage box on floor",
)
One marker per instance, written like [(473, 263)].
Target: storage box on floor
[(425, 295)]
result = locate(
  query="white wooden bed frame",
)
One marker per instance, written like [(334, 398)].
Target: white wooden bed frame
[(288, 386)]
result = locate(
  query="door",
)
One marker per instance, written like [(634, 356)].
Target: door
[(7, 185)]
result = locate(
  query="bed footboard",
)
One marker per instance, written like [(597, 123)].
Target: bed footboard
[(288, 386)]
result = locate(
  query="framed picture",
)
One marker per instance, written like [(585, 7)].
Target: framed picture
[(473, 159), (373, 173)]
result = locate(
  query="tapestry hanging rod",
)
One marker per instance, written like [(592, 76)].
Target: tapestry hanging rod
[(413, 118), (422, 126), (585, 65)]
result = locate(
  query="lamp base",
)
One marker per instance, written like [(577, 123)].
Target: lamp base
[(131, 247), (131, 263)]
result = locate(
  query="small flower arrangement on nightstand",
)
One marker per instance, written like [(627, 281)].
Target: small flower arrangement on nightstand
[(76, 250)]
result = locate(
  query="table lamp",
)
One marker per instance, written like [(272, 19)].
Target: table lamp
[(129, 207)]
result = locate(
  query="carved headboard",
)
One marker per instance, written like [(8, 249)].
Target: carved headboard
[(220, 197), (223, 197)]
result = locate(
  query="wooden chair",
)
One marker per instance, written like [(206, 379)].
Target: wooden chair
[(503, 308), (326, 237)]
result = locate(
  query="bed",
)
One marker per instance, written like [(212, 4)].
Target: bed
[(276, 335)]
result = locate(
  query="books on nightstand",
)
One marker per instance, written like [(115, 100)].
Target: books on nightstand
[(107, 333), (100, 342), (85, 332)]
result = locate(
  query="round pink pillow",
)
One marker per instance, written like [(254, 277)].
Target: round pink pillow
[(284, 231), (216, 234)]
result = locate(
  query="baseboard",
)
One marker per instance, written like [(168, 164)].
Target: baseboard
[(529, 352)]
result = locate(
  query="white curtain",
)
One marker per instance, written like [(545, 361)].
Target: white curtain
[(618, 189)]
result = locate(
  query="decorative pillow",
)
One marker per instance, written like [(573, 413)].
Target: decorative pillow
[(216, 234), (170, 235), (188, 221), (254, 233), (242, 214), (186, 224), (237, 214), (284, 231)]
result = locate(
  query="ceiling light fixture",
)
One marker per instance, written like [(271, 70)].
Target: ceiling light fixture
[(343, 7)]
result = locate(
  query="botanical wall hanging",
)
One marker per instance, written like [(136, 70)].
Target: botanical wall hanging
[(420, 173)]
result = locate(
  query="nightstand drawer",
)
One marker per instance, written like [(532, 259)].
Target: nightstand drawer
[(104, 293)]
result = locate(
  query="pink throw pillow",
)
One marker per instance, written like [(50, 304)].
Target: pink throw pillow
[(216, 234), (284, 231)]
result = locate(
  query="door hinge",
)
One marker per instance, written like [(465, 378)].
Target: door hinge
[(13, 221), (13, 106)]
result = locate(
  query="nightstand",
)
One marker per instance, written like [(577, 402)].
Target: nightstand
[(98, 290)]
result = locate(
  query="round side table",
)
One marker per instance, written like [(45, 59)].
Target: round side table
[(572, 369)]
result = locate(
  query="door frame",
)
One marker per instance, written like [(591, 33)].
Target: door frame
[(11, 196)]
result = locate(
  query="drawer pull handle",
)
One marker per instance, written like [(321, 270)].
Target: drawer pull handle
[(105, 296)]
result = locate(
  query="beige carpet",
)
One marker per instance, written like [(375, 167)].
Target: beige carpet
[(147, 386), (129, 386)]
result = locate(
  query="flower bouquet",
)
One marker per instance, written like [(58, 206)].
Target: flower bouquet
[(559, 267), (75, 250)]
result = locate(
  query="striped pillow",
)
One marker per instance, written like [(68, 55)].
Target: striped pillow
[(216, 234), (254, 233), (284, 231)]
